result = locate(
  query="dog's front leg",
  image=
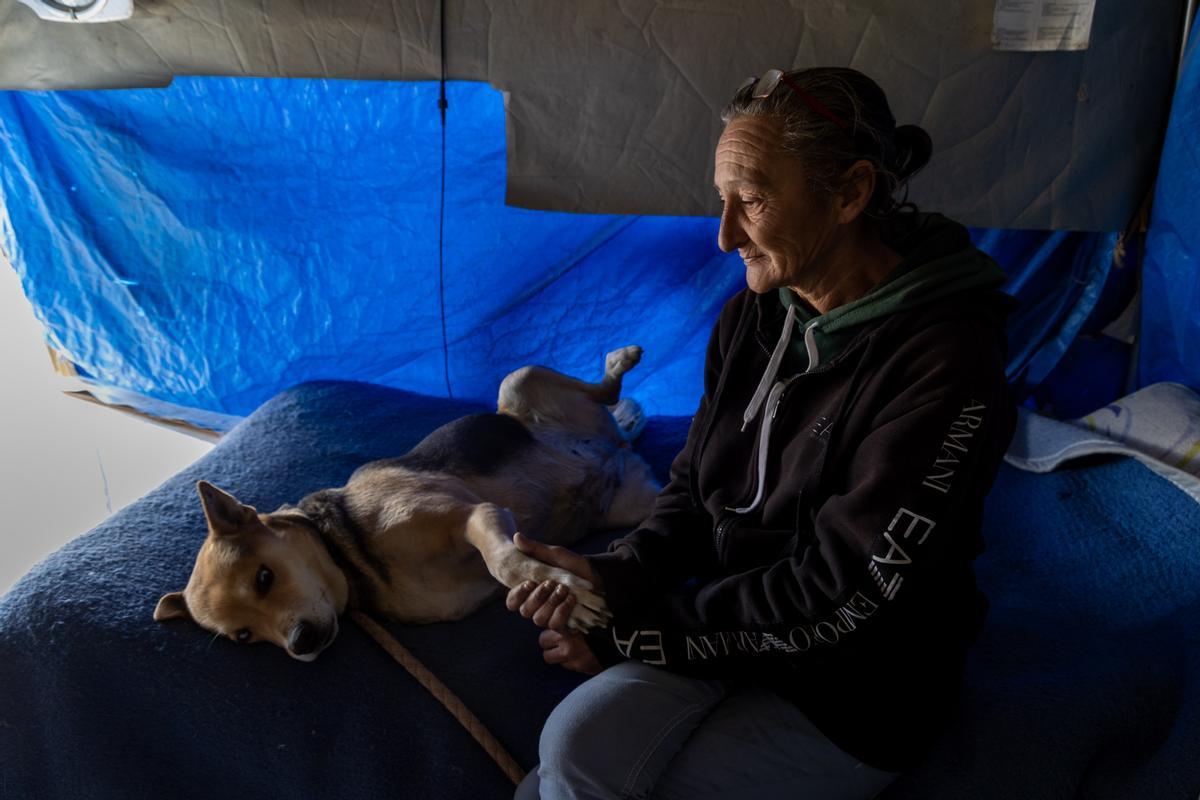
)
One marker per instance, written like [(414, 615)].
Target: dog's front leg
[(490, 530)]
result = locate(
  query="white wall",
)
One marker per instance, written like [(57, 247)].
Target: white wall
[(65, 464)]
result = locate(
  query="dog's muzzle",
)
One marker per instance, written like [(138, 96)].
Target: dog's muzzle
[(307, 640)]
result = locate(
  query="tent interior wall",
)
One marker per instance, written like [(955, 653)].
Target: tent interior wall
[(211, 242), (616, 111)]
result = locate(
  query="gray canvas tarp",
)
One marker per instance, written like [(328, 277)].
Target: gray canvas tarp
[(613, 106)]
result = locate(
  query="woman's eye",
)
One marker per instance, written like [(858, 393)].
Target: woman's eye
[(243, 636), (264, 579)]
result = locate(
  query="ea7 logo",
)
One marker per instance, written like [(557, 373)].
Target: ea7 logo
[(646, 646), (903, 527), (913, 523)]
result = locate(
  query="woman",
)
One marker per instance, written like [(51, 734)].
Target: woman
[(792, 619)]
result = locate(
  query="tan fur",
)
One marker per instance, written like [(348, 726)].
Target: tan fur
[(425, 546)]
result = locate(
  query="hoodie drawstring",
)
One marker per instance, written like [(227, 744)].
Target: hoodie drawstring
[(773, 398), (772, 369)]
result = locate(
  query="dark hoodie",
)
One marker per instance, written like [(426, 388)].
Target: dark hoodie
[(819, 526)]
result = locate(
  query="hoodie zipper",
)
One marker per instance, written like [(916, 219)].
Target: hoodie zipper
[(735, 344), (723, 528)]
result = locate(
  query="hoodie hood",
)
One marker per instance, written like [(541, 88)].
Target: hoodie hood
[(938, 262)]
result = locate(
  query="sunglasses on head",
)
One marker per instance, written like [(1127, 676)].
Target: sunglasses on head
[(765, 86)]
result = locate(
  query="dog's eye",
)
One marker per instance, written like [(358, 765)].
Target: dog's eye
[(243, 636), (263, 580)]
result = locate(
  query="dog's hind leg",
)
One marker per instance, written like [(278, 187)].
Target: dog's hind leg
[(490, 530), (539, 396)]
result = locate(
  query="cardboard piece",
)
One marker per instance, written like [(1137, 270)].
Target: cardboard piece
[(614, 108)]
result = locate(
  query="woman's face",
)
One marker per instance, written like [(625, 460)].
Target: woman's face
[(770, 216)]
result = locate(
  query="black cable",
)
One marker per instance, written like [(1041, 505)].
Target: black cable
[(442, 106)]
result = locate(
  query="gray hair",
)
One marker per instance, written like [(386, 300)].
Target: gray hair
[(827, 149)]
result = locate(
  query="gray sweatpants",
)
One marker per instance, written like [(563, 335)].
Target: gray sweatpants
[(635, 731)]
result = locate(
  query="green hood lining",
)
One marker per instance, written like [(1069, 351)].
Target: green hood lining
[(939, 262)]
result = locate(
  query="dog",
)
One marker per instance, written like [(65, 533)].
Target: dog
[(428, 536)]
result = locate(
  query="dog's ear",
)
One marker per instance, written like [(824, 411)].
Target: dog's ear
[(171, 606), (222, 510)]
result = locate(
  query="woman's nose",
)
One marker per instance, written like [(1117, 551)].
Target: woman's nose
[(730, 236)]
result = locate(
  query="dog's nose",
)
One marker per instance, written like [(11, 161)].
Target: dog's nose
[(304, 638)]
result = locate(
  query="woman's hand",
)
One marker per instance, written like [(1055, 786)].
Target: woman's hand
[(557, 556), (549, 603), (570, 650)]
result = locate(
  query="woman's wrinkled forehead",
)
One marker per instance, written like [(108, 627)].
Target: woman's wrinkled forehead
[(749, 152)]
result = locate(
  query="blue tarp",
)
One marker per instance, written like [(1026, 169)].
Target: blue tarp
[(214, 242), (1170, 330), (1060, 278)]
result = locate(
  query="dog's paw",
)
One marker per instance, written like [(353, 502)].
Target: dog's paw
[(618, 362), (590, 611), (630, 418), (583, 619)]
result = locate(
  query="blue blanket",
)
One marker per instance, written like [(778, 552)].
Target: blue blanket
[(1084, 683)]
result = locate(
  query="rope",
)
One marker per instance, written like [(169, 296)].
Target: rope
[(449, 699)]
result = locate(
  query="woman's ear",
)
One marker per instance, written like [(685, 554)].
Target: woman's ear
[(858, 184)]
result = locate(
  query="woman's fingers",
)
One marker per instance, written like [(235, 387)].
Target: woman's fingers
[(532, 547), (540, 604), (533, 600), (569, 650), (548, 604), (554, 600), (554, 647), (555, 556), (561, 615), (518, 594)]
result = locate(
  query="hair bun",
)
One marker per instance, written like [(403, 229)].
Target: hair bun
[(913, 150)]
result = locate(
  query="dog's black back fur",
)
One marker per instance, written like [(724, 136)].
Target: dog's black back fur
[(479, 444)]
